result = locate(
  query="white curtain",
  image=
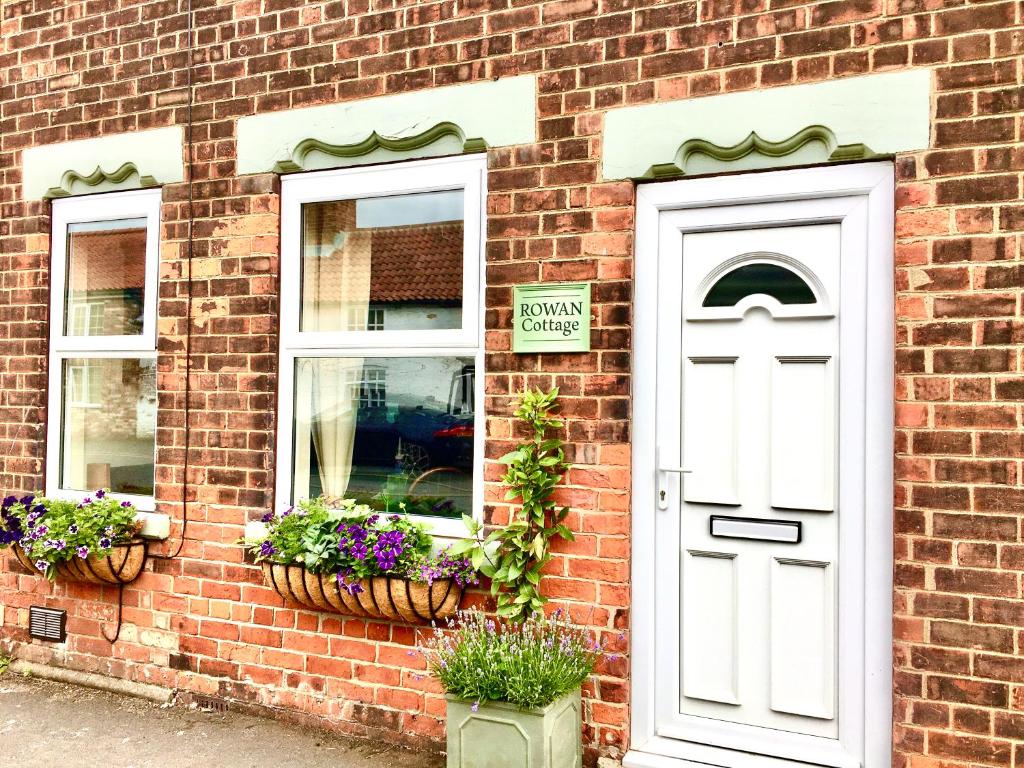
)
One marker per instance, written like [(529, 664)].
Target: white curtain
[(326, 407), (336, 285)]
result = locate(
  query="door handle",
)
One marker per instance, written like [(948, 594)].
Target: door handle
[(662, 473)]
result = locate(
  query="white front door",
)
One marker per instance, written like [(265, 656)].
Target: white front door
[(758, 344)]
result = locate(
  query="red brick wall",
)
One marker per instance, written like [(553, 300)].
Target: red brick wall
[(205, 623)]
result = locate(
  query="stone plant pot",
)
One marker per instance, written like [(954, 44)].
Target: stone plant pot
[(381, 597), (501, 735), (121, 566)]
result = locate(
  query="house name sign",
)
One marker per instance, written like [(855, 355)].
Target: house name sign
[(551, 317)]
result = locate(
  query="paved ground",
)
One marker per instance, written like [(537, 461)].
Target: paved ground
[(45, 724)]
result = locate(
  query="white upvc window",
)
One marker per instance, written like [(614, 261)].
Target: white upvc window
[(373, 410), (101, 420)]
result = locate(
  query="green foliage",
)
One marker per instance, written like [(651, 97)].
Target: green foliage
[(354, 541), (339, 535), (514, 556), (51, 531), (529, 664), (5, 662)]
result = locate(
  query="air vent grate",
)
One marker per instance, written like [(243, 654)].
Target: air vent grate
[(47, 623), (209, 703)]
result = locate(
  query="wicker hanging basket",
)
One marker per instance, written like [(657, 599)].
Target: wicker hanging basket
[(122, 565), (380, 597)]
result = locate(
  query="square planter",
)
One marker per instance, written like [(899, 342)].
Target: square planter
[(501, 735)]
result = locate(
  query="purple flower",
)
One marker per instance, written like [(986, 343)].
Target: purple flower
[(10, 501), (41, 565), (73, 528), (372, 519), (27, 500), (358, 550), (83, 552), (267, 549), (101, 493), (105, 543), (476, 706), (353, 588), (57, 544), (86, 500), (267, 517), (126, 504), (39, 532)]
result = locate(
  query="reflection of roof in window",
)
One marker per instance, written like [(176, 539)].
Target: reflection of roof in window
[(108, 260), (419, 263)]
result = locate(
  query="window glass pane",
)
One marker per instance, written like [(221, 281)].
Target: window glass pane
[(386, 430), (770, 279), (383, 263), (109, 424), (106, 278)]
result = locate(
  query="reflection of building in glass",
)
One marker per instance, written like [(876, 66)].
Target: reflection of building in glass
[(109, 424), (106, 280)]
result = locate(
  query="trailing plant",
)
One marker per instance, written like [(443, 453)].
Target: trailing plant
[(530, 664), (352, 540), (52, 531), (513, 556)]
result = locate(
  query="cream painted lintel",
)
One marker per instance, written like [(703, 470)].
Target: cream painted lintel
[(428, 123), (839, 119), (118, 161)]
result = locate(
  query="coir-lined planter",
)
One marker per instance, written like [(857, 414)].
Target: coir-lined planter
[(379, 597), (121, 566)]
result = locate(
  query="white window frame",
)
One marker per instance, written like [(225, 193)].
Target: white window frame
[(466, 172), (137, 204)]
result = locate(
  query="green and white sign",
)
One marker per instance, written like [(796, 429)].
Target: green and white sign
[(551, 317)]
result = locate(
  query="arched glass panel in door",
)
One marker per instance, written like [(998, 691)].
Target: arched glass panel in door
[(782, 284)]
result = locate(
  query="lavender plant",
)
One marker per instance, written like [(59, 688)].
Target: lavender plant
[(52, 531), (529, 664), (355, 542)]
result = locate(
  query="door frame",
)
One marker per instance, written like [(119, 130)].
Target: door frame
[(867, 731)]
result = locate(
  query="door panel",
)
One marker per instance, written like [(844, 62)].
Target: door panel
[(709, 658), (803, 433), (802, 638), (709, 427)]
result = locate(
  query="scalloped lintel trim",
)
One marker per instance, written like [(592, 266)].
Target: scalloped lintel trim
[(702, 156), (445, 138), (125, 177)]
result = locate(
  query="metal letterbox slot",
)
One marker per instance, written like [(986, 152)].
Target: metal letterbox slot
[(754, 529)]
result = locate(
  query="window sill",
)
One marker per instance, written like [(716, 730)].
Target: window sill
[(155, 525)]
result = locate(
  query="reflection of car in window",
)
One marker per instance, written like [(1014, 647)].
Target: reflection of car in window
[(417, 438)]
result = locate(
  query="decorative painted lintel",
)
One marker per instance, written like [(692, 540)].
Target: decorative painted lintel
[(429, 123), (122, 178), (813, 144), (443, 138), (867, 116), (130, 160)]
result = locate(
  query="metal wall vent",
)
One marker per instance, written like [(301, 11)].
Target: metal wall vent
[(47, 623)]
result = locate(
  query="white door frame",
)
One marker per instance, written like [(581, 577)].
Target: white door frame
[(867, 731)]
